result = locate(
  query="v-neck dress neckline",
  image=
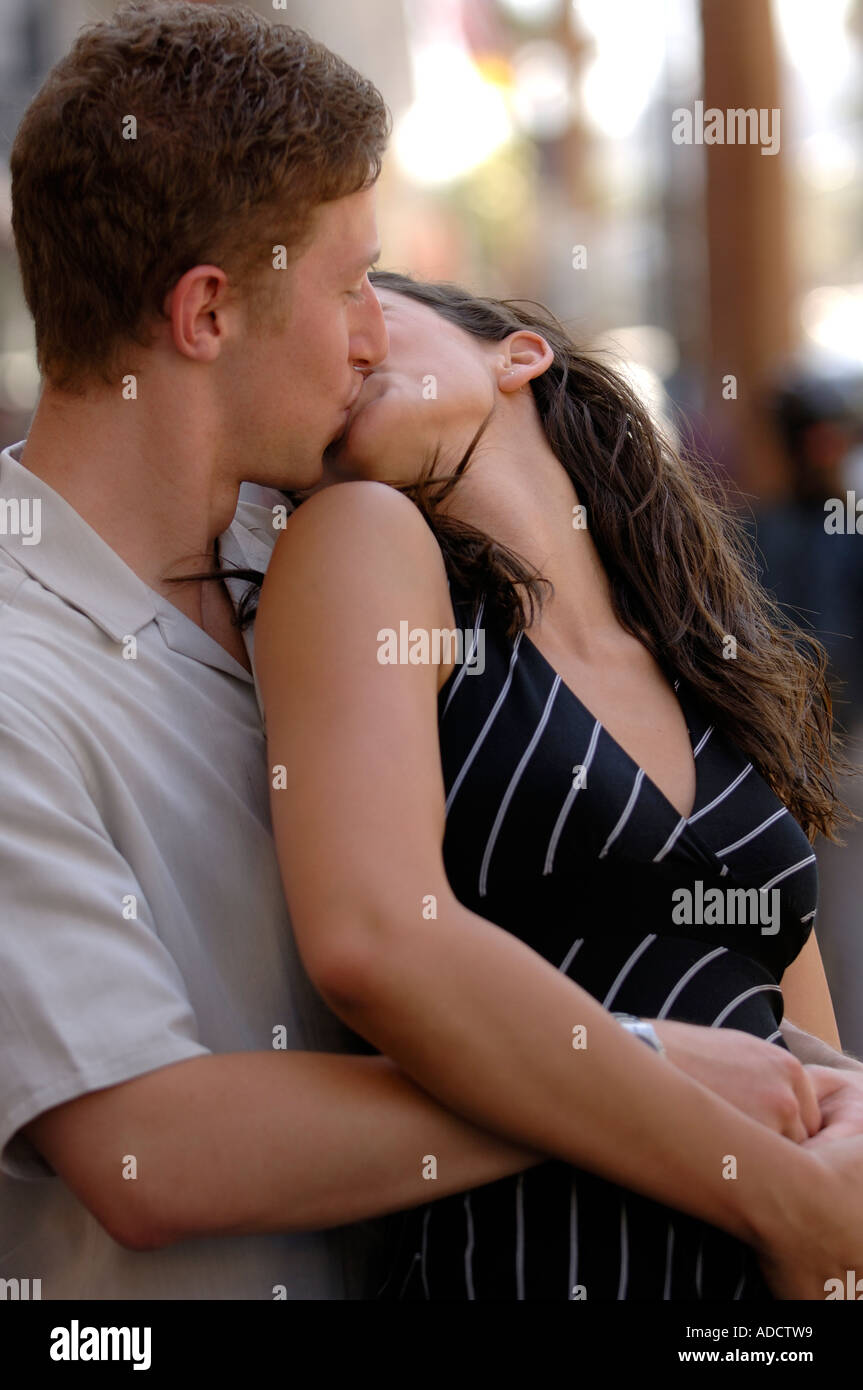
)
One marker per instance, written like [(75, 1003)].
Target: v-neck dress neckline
[(680, 693)]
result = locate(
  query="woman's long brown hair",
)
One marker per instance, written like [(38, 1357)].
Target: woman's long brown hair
[(681, 566)]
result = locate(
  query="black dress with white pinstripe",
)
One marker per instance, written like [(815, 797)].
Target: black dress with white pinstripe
[(582, 866)]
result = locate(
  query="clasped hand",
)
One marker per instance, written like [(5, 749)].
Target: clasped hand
[(812, 1105)]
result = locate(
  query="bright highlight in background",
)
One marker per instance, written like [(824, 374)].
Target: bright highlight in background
[(629, 37), (831, 317), (543, 98), (533, 11), (457, 121)]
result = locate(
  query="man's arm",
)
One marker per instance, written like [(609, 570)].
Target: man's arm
[(251, 1142), (101, 1056), (813, 1051), (813, 1037)]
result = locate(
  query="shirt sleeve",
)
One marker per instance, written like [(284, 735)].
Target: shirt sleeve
[(89, 995)]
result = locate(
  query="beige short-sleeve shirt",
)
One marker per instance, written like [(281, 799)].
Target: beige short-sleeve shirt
[(143, 920)]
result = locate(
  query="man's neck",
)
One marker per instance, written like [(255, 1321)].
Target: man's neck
[(145, 480)]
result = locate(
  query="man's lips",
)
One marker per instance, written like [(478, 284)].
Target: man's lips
[(355, 397), (346, 413)]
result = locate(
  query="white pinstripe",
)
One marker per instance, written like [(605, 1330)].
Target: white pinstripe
[(570, 798), (669, 1249), (466, 663), (722, 795), (672, 839), (627, 811), (785, 872), (426, 1218), (519, 1237), (494, 712), (624, 1254), (701, 742), (573, 1236), (684, 979), (747, 994), (571, 954), (468, 1254), (783, 811), (514, 781), (407, 1279), (625, 969)]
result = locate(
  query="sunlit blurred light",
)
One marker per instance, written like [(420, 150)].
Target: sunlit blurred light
[(498, 193), (648, 387), (533, 11), (629, 38), (543, 97), (645, 356), (831, 318), (655, 348), (816, 40), (828, 161), (19, 381), (459, 119)]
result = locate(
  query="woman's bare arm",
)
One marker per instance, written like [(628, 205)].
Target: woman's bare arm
[(807, 996)]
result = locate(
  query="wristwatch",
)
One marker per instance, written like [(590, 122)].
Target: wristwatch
[(640, 1028)]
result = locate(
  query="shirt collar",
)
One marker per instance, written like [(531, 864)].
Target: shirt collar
[(68, 557)]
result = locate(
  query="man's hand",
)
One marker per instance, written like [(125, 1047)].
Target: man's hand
[(840, 1096), (764, 1081)]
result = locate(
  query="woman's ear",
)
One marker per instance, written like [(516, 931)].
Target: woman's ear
[(525, 355)]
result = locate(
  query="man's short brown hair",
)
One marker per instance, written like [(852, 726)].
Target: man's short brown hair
[(244, 126)]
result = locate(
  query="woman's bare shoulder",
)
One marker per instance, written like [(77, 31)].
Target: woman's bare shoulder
[(362, 512), (358, 537)]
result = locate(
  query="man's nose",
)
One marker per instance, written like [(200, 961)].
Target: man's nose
[(369, 340)]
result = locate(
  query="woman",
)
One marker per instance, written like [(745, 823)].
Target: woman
[(483, 857)]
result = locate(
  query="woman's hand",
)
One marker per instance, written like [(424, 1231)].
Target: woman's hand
[(764, 1081), (828, 1242)]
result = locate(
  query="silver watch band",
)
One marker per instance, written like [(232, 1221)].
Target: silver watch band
[(640, 1028)]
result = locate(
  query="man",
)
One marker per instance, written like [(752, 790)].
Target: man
[(194, 216)]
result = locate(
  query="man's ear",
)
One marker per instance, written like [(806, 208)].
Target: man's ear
[(524, 355), (195, 306)]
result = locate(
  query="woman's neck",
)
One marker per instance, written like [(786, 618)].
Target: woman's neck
[(519, 493)]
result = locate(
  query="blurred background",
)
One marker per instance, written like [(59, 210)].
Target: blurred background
[(538, 152)]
